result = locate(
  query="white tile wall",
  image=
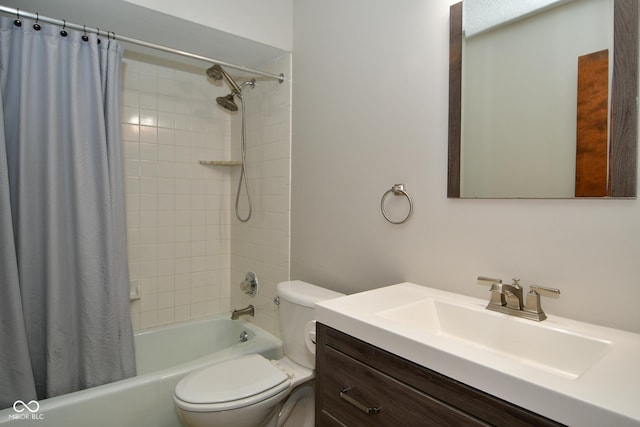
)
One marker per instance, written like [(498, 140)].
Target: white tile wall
[(177, 210), (185, 244), (262, 244)]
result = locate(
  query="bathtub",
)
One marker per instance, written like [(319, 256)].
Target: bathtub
[(163, 356)]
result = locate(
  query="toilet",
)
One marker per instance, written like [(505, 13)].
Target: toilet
[(251, 391)]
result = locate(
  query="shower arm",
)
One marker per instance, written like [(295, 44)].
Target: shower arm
[(251, 83)]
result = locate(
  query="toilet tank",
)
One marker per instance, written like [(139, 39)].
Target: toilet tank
[(297, 300)]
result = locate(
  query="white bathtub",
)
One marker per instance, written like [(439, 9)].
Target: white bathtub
[(163, 356)]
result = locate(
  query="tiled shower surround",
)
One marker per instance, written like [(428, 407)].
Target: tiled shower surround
[(262, 245), (185, 245)]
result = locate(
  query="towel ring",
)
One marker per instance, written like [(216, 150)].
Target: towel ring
[(397, 190)]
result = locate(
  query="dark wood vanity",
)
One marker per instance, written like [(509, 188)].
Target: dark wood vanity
[(362, 385)]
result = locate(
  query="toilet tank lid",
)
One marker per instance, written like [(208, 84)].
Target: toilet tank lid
[(303, 293)]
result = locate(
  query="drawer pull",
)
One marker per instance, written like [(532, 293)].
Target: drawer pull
[(364, 408)]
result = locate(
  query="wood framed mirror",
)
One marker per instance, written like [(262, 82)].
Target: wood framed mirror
[(611, 168)]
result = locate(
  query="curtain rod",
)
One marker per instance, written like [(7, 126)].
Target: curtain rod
[(38, 17)]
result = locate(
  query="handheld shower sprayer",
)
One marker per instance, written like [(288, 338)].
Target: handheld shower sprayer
[(216, 72)]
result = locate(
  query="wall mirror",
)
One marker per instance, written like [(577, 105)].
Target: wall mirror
[(543, 103)]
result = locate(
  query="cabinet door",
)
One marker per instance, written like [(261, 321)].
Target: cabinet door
[(357, 395)]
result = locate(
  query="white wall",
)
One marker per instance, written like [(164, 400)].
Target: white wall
[(370, 99), (268, 22)]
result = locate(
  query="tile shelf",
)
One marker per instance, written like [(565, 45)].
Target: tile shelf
[(220, 162)]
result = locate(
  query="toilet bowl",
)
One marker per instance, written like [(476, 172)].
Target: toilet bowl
[(252, 391), (298, 409)]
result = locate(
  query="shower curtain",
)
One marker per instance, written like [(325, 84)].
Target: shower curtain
[(64, 292)]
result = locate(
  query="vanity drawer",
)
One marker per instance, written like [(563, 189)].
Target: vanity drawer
[(351, 387), (410, 394)]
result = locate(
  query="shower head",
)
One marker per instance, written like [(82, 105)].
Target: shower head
[(216, 72), (227, 102)]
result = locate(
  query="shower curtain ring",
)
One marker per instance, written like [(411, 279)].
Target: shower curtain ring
[(17, 22), (85, 37), (98, 31), (37, 26), (63, 32)]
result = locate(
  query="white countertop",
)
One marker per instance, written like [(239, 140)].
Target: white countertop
[(605, 394)]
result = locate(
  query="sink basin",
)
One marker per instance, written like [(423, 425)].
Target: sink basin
[(557, 351), (573, 372)]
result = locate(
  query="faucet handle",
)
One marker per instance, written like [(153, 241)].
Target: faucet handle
[(533, 305), (483, 280), (497, 296), (547, 292)]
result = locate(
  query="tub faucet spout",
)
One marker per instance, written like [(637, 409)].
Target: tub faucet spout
[(250, 310)]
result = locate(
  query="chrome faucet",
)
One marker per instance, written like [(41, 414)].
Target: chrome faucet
[(508, 299), (250, 310)]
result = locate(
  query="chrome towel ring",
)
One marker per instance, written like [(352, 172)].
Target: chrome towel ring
[(397, 190)]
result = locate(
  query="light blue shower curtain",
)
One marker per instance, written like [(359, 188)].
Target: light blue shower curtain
[(64, 299)]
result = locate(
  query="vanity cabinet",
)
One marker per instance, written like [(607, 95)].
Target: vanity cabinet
[(360, 385)]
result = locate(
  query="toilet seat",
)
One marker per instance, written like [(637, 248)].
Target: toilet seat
[(232, 384)]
